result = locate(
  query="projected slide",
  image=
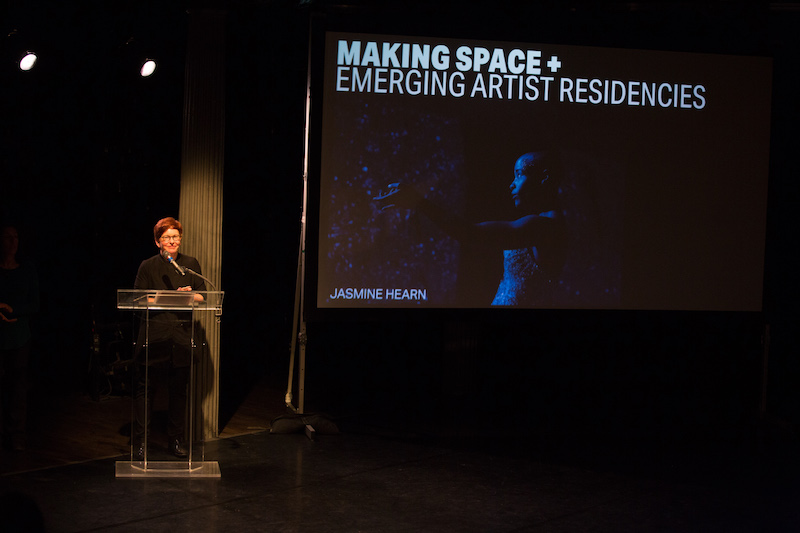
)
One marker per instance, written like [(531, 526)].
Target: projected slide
[(475, 174)]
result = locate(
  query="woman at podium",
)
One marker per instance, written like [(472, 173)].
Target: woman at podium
[(169, 337)]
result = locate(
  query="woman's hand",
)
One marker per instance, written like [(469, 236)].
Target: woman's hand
[(7, 309), (197, 297)]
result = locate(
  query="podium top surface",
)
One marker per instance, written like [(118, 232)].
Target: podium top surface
[(164, 300)]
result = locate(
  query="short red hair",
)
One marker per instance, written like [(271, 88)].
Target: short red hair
[(166, 224)]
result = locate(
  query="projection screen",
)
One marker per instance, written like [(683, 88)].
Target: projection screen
[(475, 174)]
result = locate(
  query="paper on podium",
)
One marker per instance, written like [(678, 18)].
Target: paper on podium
[(174, 298)]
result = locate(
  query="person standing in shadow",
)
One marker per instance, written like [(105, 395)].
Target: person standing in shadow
[(169, 339), (19, 301)]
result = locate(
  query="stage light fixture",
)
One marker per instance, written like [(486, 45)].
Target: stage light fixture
[(27, 61), (148, 67)]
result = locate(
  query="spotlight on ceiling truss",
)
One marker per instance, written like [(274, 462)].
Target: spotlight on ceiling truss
[(28, 61), (148, 67)]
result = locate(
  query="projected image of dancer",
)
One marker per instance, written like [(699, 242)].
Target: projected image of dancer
[(533, 243)]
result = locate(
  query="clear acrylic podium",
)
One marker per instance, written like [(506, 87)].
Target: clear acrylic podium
[(150, 304)]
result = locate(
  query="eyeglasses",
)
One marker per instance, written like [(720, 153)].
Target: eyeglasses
[(176, 238)]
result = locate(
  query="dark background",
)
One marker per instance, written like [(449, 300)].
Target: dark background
[(91, 159)]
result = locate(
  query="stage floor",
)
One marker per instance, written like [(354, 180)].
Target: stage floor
[(377, 479)]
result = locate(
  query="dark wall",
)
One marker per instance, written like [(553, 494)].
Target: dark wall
[(266, 99), (90, 160)]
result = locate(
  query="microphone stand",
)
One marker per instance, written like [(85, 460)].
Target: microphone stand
[(187, 269)]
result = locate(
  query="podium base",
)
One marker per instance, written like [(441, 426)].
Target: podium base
[(176, 469)]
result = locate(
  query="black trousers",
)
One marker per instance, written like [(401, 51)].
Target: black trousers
[(147, 381)]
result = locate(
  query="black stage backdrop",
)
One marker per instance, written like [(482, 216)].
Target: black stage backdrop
[(91, 160)]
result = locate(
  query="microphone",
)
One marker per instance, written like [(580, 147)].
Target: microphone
[(172, 262)]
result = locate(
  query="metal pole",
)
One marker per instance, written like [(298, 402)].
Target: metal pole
[(299, 323)]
